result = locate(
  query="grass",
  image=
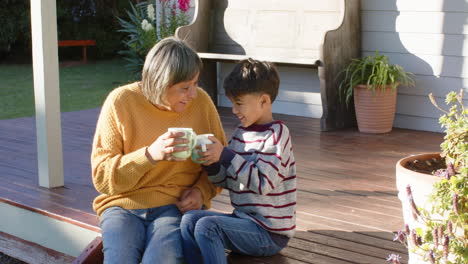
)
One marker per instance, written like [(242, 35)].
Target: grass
[(81, 86)]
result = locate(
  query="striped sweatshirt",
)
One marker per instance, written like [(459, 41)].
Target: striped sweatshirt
[(258, 169)]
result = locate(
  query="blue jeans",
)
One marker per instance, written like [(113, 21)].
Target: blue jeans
[(206, 234), (142, 235)]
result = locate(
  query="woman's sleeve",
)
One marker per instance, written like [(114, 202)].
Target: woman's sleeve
[(269, 169), (112, 171), (216, 128)]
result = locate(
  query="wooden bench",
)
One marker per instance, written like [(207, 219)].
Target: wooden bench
[(92, 254), (78, 43), (301, 33)]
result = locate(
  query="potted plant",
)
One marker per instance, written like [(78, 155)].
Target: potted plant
[(433, 189), (373, 81)]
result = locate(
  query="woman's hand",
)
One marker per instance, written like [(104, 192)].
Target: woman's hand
[(163, 147), (212, 153), (192, 199)]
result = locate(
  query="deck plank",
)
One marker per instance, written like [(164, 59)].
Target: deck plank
[(347, 204), (362, 246)]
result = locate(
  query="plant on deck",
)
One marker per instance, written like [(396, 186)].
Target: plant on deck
[(443, 238), (374, 71)]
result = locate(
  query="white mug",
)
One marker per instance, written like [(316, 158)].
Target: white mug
[(190, 135), (202, 141)]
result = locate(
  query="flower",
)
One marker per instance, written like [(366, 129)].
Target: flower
[(184, 5), (146, 26), (150, 12), (400, 236), (173, 10), (395, 258)]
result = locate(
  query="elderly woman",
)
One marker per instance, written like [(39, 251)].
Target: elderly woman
[(144, 188)]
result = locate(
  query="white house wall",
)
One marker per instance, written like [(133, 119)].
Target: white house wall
[(426, 37)]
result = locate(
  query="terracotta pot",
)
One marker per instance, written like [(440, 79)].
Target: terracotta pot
[(375, 112), (421, 188)]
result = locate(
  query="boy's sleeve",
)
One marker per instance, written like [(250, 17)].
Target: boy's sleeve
[(217, 174), (270, 167)]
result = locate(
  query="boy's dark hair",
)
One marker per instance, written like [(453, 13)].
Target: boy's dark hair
[(252, 76)]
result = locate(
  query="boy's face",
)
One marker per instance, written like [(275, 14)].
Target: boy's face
[(251, 109)]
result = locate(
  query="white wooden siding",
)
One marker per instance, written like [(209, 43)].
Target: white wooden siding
[(414, 22), (426, 37), (416, 5), (421, 43)]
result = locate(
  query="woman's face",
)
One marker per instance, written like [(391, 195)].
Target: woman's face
[(180, 94)]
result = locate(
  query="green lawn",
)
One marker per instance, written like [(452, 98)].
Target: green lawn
[(81, 86)]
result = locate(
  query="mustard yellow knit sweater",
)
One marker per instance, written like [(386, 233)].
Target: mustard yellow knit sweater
[(122, 173)]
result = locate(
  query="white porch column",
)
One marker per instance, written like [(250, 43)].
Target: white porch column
[(46, 92)]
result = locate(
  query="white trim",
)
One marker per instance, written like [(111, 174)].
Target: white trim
[(47, 93)]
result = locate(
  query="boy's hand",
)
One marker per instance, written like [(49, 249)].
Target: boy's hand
[(213, 152)]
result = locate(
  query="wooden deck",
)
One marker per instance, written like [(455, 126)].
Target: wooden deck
[(347, 203)]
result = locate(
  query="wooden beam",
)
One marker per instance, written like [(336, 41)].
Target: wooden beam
[(30, 252), (47, 93)]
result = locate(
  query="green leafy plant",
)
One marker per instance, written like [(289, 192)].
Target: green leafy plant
[(374, 71), (144, 28), (443, 237)]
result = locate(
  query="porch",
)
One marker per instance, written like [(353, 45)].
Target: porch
[(347, 203)]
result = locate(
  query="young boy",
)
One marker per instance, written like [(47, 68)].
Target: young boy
[(257, 168)]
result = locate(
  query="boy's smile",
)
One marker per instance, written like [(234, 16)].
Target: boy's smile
[(252, 109)]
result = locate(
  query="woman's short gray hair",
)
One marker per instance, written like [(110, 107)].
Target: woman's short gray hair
[(169, 62)]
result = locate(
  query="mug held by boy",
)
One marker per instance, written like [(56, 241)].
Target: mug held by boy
[(202, 141)]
